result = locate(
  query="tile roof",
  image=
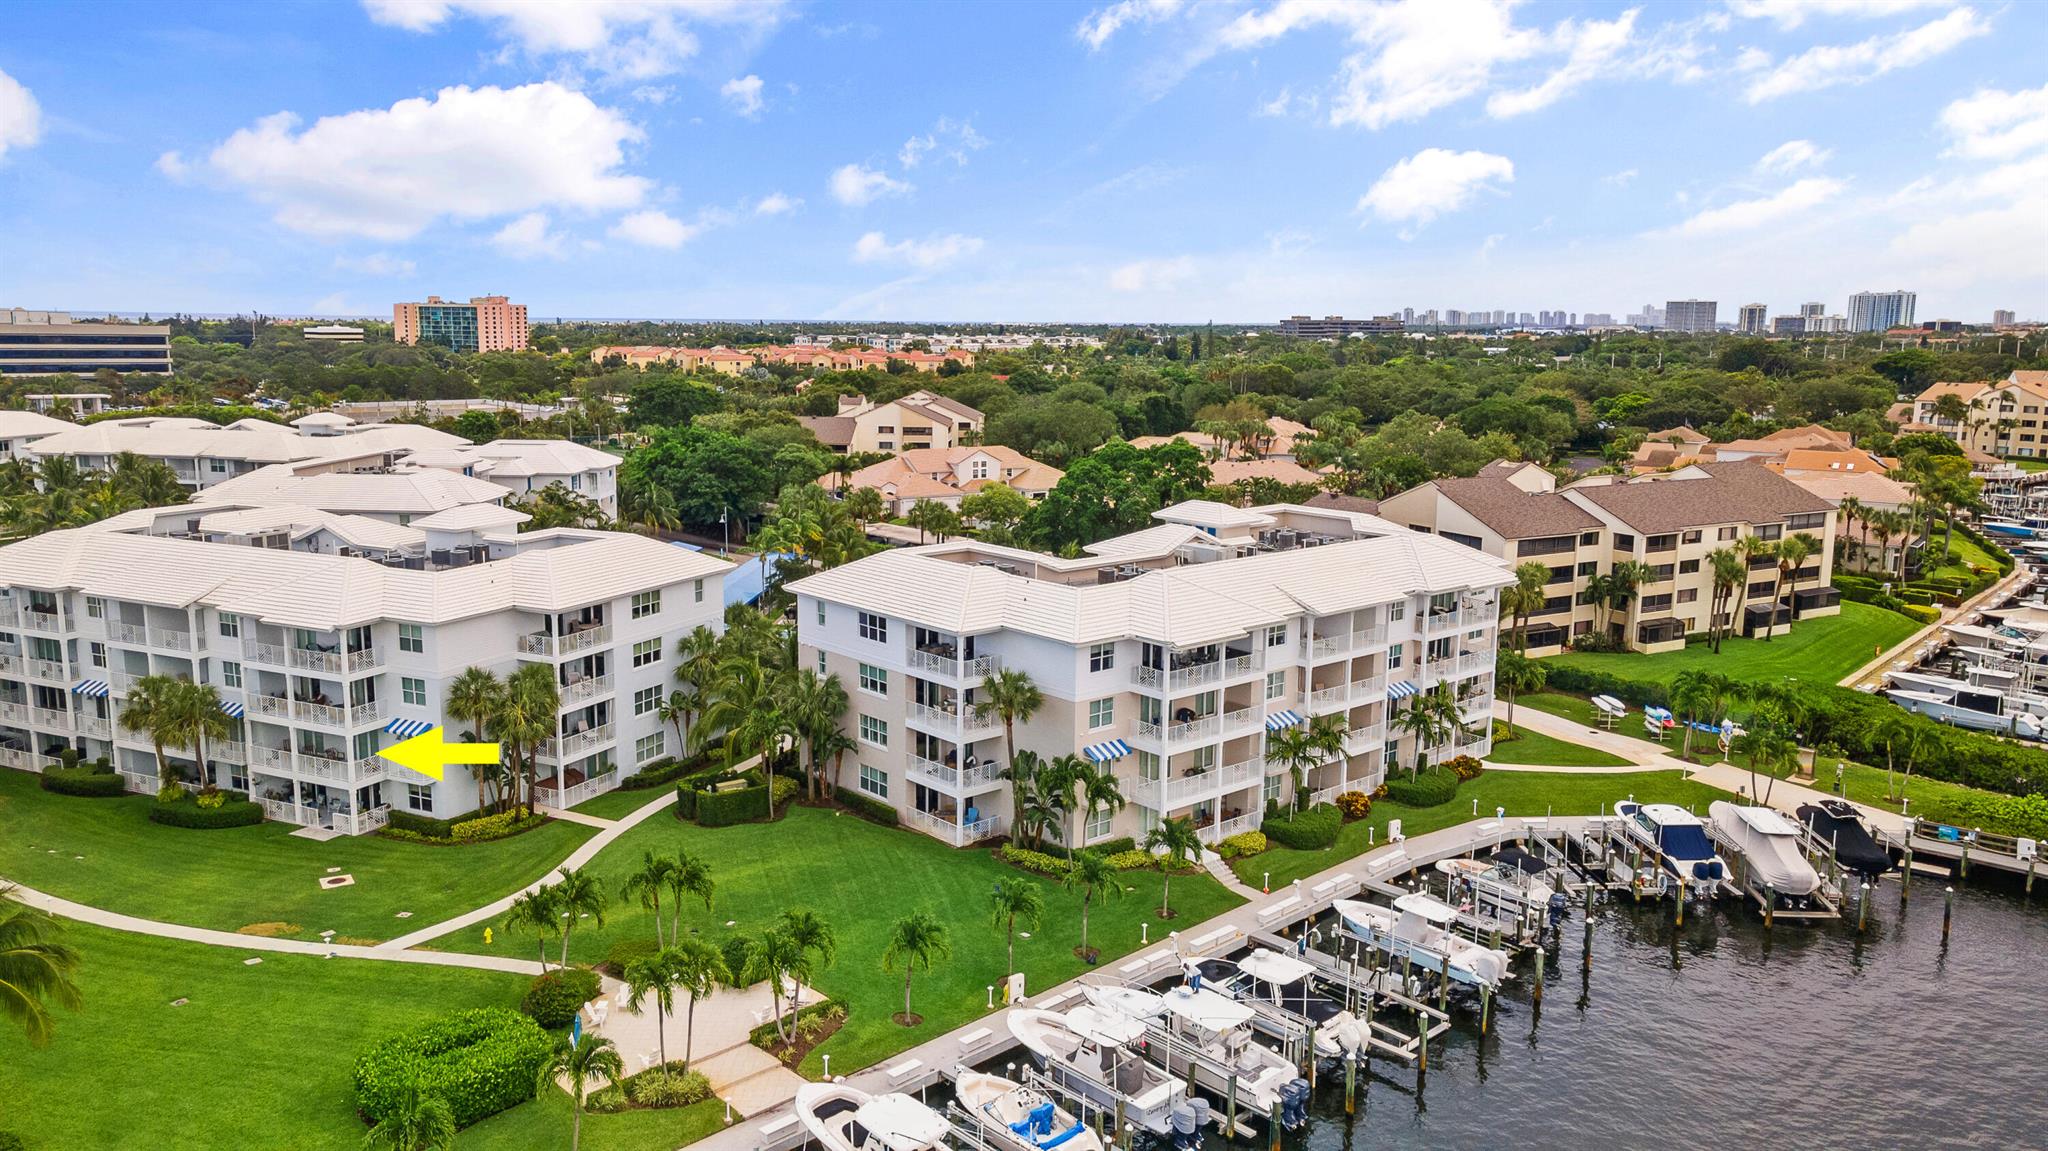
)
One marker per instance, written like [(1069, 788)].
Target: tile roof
[(1344, 503), (1872, 488), (927, 473), (1512, 513), (419, 492), (16, 424), (832, 431), (1724, 493), (196, 439), (542, 458), (1285, 471)]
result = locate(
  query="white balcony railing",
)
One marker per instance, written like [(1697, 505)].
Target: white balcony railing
[(1217, 832), (361, 822), (140, 782), (1330, 698), (959, 835), (370, 768), (1195, 675), (1148, 678), (285, 811), (10, 617), (575, 793), (367, 712), (1145, 729), (274, 758), (95, 725), (264, 653), (571, 746), (1365, 739), (47, 670), (1243, 719), (365, 659), (951, 667), (18, 759), (10, 663), (122, 682), (543, 644), (1369, 637), (50, 717), (586, 689), (1327, 646), (228, 751), (1444, 621), (13, 712), (170, 639), (1183, 789), (1207, 727), (312, 659), (129, 633), (45, 622), (317, 765), (1368, 689), (323, 714), (270, 706), (980, 776)]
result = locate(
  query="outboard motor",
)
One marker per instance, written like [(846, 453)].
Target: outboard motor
[(1186, 1135), (1294, 1103), (1203, 1117), (1707, 869), (1558, 904)]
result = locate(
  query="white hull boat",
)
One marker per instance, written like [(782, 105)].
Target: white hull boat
[(1678, 841), (1417, 928), (1769, 845), (1095, 1053), (1209, 1039), (1010, 1114), (844, 1118), (1961, 704)]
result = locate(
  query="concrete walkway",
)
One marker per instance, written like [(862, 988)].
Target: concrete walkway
[(564, 814), (720, 1041), (1900, 655)]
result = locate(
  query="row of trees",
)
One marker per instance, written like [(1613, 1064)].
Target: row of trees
[(48, 494)]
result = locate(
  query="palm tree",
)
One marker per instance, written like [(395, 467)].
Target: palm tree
[(747, 706), (1419, 720), (152, 709), (1701, 697), (1515, 674), (646, 883), (1016, 898), (35, 969), (816, 705), (579, 894), (773, 956), (1769, 745), (1850, 511), (1731, 574), (688, 876), (1057, 785), (1525, 598), (1101, 791), (864, 505), (1901, 737), (594, 1057), (1033, 806), (813, 937), (414, 1122), (537, 911), (699, 971), (196, 715), (1011, 694), (473, 698), (1296, 748), (1752, 549), (1792, 551), (654, 977), (1623, 582), (1174, 841), (917, 939), (1093, 875), (696, 671), (532, 702)]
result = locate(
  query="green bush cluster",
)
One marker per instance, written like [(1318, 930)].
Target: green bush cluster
[(764, 1035), (725, 808), (2022, 815), (662, 771), (490, 827), (1465, 767), (1590, 681), (426, 827), (1427, 789), (553, 999), (210, 798), (1242, 844), (187, 812), (1037, 861), (1310, 830), (867, 806), (9, 1141), (481, 1062), (668, 1086), (1131, 860), (1115, 846), (88, 781)]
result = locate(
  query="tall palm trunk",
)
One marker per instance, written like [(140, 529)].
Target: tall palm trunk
[(689, 1032)]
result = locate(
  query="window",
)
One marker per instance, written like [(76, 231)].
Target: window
[(419, 797), (1770, 531), (874, 627), (1098, 827), (646, 603), (646, 651), (1276, 636), (1590, 567), (97, 607), (230, 673), (821, 613), (412, 637), (1101, 713), (646, 699), (1397, 613), (1689, 595), (1271, 794), (412, 691), (874, 731), (697, 591), (1149, 765), (1725, 534), (1588, 539), (1394, 658), (1692, 536), (1101, 656), (1276, 684), (1392, 756), (649, 746), (1624, 542), (874, 680), (98, 653), (874, 781), (230, 623), (1688, 567), (821, 662)]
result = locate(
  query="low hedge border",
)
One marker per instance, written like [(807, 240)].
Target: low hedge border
[(480, 1062), (867, 807), (450, 833), (89, 782), (1311, 830), (186, 812), (1428, 789), (766, 1032)]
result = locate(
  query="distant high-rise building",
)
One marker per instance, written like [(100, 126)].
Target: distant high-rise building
[(484, 324), (1752, 320), (1337, 327), (1877, 311), (2003, 318), (1525, 319), (1812, 308), (1788, 325), (1453, 317), (1408, 315), (1826, 325), (1689, 315), (1596, 319)]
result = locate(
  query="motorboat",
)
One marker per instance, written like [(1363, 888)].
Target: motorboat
[(1287, 987), (1096, 1053), (2009, 528), (1677, 840), (1769, 846), (1511, 884), (1010, 1114), (1417, 927), (1963, 704), (845, 1118), (1837, 823), (1208, 1038)]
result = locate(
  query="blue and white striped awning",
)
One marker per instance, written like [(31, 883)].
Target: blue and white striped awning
[(1280, 719), (96, 688), (1104, 752), (1401, 689), (407, 728), (232, 709)]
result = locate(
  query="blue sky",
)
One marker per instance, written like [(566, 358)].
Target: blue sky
[(1182, 160)]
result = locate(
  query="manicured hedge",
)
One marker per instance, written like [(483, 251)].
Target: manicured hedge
[(420, 825), (1037, 861), (1427, 789), (490, 827), (481, 1062), (1311, 830), (741, 805), (87, 781), (1116, 846), (867, 806), (1586, 681), (187, 813), (554, 998), (661, 772), (1242, 844), (764, 1034)]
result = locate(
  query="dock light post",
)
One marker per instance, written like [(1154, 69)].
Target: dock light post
[(1266, 883), (1948, 911), (828, 1067), (1144, 934), (991, 997), (1862, 907)]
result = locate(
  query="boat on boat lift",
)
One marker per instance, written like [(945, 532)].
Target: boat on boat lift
[(1013, 1115), (1417, 927), (1098, 1054), (1677, 840), (1979, 706), (1209, 1038), (1838, 823), (1770, 848), (1274, 981), (845, 1118)]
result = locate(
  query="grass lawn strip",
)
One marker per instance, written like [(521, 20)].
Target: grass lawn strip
[(1579, 711), (622, 802), (860, 878), (1819, 650), (230, 878), (1536, 748)]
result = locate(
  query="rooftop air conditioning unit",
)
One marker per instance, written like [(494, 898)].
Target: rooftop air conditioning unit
[(1285, 538)]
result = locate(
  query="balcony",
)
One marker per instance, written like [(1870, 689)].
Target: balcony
[(1184, 789), (1243, 720), (1365, 739), (364, 660), (46, 670), (570, 746), (170, 639), (128, 633), (587, 689), (362, 822), (95, 725), (10, 663), (1330, 698), (947, 831), (1328, 646), (228, 751), (1217, 832), (270, 706), (10, 617), (1205, 727), (313, 659), (322, 765), (264, 653), (954, 722), (1368, 689), (1444, 621), (18, 759), (979, 777), (273, 758), (13, 712), (285, 811), (373, 768), (552, 796), (554, 646), (44, 622), (50, 717), (940, 663), (1147, 730)]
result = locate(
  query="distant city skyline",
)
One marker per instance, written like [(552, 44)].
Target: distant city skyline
[(1124, 160)]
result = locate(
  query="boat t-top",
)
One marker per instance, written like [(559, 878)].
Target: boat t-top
[(845, 1118), (1769, 844), (1209, 1038), (1677, 840), (1022, 1118), (1095, 1053), (1418, 927)]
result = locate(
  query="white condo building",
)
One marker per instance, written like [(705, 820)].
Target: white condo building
[(332, 636), (1168, 655)]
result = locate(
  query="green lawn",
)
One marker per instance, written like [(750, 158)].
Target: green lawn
[(1931, 799), (1534, 747), (622, 803), (860, 878), (2028, 463), (1523, 793), (1579, 710), (1815, 650), (260, 1049), (233, 877)]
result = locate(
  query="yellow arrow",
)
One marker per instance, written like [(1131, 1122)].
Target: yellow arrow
[(427, 754)]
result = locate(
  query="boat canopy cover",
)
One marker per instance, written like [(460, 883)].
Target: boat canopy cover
[(1207, 1009), (1764, 820), (1684, 841), (1426, 906), (1769, 843), (901, 1122), (1516, 859), (1836, 822), (1133, 1001), (1273, 967), (1101, 1025)]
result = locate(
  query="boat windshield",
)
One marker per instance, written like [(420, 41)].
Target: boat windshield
[(1684, 841)]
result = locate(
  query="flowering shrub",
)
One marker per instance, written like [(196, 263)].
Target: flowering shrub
[(1037, 861), (1130, 860), (1242, 844), (490, 826), (1354, 804), (210, 797), (1466, 767)]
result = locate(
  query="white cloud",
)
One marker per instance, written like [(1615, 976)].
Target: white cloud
[(1433, 182), (743, 95), (1278, 105), (858, 184), (655, 94), (654, 229), (1995, 125), (376, 264), (1099, 25), (1591, 49), (1747, 215), (626, 39), (1152, 275), (1828, 65), (776, 204), (1621, 179), (21, 118), (1793, 13), (951, 138), (466, 154), (174, 167), (928, 254), (1793, 155), (528, 237)]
